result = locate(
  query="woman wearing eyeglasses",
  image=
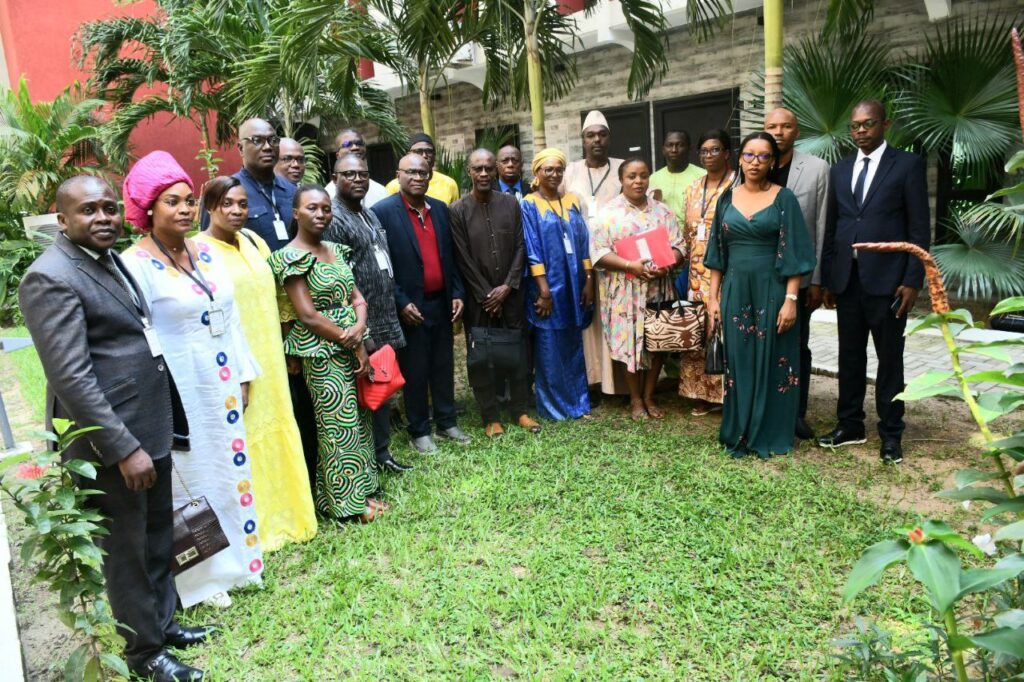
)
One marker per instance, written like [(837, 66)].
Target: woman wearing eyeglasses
[(559, 289), (192, 298), (285, 512), (758, 251), (714, 149)]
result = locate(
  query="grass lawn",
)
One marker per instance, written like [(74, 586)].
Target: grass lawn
[(31, 381), (601, 550)]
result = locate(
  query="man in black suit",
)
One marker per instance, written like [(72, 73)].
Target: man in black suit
[(881, 195), (428, 295), (104, 367)]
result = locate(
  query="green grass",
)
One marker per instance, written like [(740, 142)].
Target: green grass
[(597, 551), (29, 373)]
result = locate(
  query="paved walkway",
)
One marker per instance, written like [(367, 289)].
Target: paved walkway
[(925, 350)]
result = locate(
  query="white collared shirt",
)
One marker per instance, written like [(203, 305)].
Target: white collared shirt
[(876, 158)]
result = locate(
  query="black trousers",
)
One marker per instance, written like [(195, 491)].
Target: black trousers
[(137, 564), (302, 407), (489, 386), (859, 315), (805, 351), (381, 420), (428, 365)]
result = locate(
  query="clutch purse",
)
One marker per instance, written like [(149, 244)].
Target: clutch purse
[(197, 532), (714, 354), (674, 326), (384, 380)]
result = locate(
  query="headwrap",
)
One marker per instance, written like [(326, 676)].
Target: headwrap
[(420, 137), (595, 118), (148, 178), (542, 156)]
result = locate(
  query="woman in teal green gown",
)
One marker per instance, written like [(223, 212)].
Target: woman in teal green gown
[(759, 249)]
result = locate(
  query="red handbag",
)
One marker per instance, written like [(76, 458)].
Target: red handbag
[(384, 380)]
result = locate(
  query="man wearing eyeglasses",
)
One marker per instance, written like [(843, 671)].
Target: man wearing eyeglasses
[(807, 177), (358, 228), (428, 297), (349, 141), (270, 195), (291, 160), (879, 195), (440, 187)]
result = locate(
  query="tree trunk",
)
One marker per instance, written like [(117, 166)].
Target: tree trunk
[(287, 123), (426, 115), (772, 54), (534, 77)]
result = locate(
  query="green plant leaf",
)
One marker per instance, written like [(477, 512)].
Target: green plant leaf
[(996, 404), (1002, 640), (981, 579), (1014, 531), (92, 670), (115, 663), (927, 385), (1009, 305), (1014, 505), (937, 567), (1015, 441), (975, 493), (82, 468), (1011, 618), (937, 530), (872, 564), (929, 321), (74, 669), (997, 376), (966, 477)]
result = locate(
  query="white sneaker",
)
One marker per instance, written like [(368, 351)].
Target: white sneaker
[(220, 600)]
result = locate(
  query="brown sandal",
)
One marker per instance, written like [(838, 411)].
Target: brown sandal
[(529, 424), (653, 410)]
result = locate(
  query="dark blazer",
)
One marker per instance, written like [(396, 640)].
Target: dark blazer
[(895, 209), (405, 250), (99, 370)]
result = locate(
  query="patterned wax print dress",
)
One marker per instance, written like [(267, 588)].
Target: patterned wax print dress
[(346, 471), (208, 371), (756, 255)]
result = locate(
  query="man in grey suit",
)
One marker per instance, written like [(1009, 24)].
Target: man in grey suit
[(807, 177), (104, 367)]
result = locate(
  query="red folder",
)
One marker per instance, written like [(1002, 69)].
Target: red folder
[(652, 245)]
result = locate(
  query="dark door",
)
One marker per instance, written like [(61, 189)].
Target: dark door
[(380, 159), (695, 115), (630, 130)]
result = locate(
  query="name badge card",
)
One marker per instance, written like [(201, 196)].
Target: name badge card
[(152, 339), (280, 229), (702, 233), (218, 322), (568, 244), (383, 261)]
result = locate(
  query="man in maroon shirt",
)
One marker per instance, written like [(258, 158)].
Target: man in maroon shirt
[(429, 295)]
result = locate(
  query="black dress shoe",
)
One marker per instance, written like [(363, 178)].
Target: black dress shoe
[(391, 464), (838, 437), (166, 668), (183, 637), (891, 452), (803, 431)]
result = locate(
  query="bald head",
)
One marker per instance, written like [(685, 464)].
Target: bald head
[(510, 164), (483, 171), (414, 173), (71, 188), (349, 141), (872, 107), (781, 124), (291, 160), (88, 213), (258, 145), (868, 125)]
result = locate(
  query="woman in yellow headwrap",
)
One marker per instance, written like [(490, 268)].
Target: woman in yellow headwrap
[(559, 290)]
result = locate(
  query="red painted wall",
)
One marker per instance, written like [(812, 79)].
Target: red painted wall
[(38, 43)]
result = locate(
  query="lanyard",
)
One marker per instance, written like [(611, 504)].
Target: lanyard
[(704, 196), (269, 197), (595, 190), (200, 281)]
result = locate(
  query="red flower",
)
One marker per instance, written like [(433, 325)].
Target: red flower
[(916, 536), (28, 470)]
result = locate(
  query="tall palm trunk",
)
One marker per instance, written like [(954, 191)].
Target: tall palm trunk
[(533, 75), (772, 54), (426, 115)]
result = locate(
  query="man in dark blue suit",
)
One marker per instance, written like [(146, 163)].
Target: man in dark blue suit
[(428, 295), (880, 195)]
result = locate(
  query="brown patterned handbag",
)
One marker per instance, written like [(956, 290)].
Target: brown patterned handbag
[(674, 326)]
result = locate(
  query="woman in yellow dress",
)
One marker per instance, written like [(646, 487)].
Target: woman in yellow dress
[(285, 511)]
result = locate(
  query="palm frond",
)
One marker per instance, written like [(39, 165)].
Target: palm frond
[(650, 44), (847, 17), (706, 17), (979, 265)]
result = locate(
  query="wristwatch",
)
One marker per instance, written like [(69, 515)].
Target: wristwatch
[(792, 297)]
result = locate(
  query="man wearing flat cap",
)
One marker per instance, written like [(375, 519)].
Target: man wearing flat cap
[(595, 180), (441, 187)]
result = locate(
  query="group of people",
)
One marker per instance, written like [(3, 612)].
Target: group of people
[(224, 365)]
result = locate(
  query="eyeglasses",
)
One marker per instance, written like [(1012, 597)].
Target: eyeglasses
[(415, 173), (172, 202), (713, 151), (352, 175), (260, 140), (552, 170), (423, 151), (490, 170), (764, 157), (289, 159), (863, 125), (348, 144)]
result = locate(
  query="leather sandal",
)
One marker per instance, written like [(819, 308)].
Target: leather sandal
[(494, 429), (529, 424)]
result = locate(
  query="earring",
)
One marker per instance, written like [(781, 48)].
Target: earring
[(149, 212)]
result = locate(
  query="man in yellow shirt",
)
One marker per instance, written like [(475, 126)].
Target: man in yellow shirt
[(441, 187)]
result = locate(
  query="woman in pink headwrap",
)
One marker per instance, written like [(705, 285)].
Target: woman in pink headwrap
[(198, 327)]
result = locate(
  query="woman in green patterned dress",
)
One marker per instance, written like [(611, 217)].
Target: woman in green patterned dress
[(326, 316)]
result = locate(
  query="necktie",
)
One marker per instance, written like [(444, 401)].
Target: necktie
[(107, 261), (858, 189)]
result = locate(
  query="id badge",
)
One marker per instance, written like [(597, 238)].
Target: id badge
[(383, 262), (280, 229), (568, 244), (591, 207), (702, 233), (152, 339), (218, 322)]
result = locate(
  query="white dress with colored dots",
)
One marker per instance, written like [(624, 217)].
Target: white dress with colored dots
[(208, 372)]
